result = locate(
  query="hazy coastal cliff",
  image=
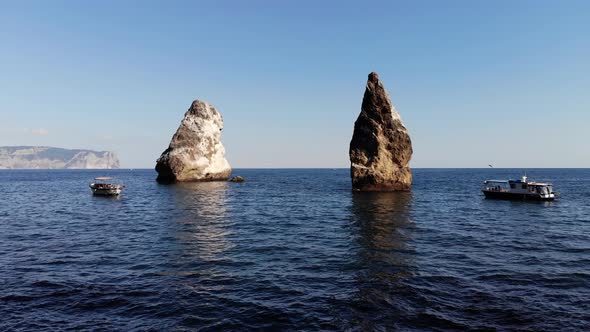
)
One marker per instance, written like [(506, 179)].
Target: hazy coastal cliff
[(43, 157)]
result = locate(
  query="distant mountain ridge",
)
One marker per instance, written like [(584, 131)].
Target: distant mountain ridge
[(44, 157)]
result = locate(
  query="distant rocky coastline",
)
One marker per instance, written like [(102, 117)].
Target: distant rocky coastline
[(381, 148), (195, 152), (43, 157)]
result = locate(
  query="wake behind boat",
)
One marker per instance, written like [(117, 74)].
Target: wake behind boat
[(518, 190), (102, 187)]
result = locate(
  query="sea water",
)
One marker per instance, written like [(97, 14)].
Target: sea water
[(292, 249)]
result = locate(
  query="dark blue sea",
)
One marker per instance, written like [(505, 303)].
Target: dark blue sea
[(292, 250)]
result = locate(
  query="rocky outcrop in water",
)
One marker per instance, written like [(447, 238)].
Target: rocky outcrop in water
[(43, 157), (237, 179), (380, 149), (195, 152)]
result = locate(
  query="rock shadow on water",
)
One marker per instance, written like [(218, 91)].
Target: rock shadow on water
[(383, 229)]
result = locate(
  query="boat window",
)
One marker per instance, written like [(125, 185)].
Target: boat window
[(524, 186), (550, 188), (512, 185)]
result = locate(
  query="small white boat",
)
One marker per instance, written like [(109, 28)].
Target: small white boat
[(518, 190), (102, 187)]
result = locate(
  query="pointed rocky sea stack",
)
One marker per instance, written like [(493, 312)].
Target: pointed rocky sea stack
[(195, 152), (380, 149)]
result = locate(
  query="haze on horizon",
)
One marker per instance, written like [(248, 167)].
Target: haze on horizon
[(476, 83)]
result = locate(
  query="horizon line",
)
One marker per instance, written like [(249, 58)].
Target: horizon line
[(286, 168)]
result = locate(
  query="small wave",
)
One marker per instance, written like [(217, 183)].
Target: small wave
[(47, 284), (17, 298), (100, 303)]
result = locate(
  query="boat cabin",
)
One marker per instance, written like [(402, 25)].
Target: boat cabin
[(103, 186)]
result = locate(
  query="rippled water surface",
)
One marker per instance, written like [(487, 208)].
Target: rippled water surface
[(292, 250)]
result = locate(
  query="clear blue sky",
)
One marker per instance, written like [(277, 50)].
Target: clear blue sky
[(476, 82)]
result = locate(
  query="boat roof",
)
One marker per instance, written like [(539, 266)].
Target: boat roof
[(103, 178), (539, 184), (532, 183)]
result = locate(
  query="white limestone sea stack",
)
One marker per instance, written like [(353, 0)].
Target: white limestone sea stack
[(195, 152)]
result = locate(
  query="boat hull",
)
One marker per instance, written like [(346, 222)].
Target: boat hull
[(105, 189), (106, 192), (516, 196)]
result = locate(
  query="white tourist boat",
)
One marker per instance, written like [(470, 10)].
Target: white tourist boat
[(102, 186), (518, 190)]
